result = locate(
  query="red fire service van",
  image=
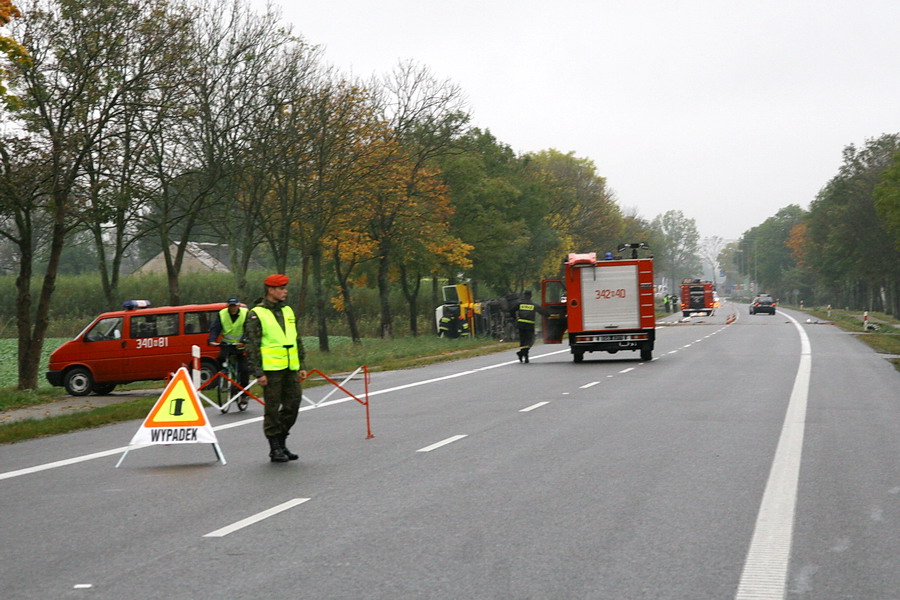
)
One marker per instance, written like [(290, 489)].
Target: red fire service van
[(605, 305), (138, 343)]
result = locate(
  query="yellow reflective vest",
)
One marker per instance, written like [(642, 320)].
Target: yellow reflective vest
[(232, 331), (278, 347)]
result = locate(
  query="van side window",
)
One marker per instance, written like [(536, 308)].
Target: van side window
[(105, 329), (198, 322), (144, 326)]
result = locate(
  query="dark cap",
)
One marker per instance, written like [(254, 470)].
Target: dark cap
[(233, 300)]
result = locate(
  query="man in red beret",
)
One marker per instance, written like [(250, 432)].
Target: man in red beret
[(275, 354)]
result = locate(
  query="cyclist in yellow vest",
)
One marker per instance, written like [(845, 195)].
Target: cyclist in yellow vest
[(525, 313), (227, 332), (275, 354)]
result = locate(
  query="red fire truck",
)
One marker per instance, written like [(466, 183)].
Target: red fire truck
[(697, 297), (604, 305)]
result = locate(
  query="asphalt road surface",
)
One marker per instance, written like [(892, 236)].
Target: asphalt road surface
[(757, 459)]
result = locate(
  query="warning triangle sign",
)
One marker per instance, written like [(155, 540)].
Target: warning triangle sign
[(177, 417), (178, 406)]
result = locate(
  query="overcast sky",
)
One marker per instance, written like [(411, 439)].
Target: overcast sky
[(725, 110)]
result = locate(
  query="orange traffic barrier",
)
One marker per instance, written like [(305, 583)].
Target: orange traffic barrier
[(340, 386)]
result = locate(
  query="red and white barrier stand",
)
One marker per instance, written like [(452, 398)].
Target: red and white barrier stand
[(195, 367), (866, 321), (195, 352), (340, 386)]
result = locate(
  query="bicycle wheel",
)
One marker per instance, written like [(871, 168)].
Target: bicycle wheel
[(242, 399), (224, 393)]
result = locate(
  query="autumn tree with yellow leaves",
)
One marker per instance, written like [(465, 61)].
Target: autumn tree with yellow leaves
[(427, 118), (13, 50)]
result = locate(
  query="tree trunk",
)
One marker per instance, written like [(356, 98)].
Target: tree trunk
[(411, 293), (172, 264), (386, 329), (435, 292), (319, 300), (30, 356), (23, 312), (349, 308)]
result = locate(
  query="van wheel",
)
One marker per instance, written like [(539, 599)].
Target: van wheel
[(646, 354), (578, 356), (78, 381), (103, 388), (208, 370)]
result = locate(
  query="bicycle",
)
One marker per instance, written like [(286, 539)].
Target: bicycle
[(228, 391)]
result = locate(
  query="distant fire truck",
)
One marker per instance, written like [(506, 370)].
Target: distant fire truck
[(605, 305), (697, 297)]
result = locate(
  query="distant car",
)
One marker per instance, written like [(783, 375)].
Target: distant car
[(763, 304)]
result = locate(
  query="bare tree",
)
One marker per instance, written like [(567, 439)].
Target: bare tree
[(116, 186), (72, 91), (427, 117), (676, 246), (199, 156), (710, 249)]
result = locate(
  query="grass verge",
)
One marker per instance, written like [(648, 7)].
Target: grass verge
[(885, 339), (105, 415)]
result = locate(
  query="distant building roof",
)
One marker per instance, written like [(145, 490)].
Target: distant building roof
[(197, 259)]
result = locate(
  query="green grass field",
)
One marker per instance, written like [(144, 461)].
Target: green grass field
[(9, 354)]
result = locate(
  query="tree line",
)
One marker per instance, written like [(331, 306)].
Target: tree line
[(845, 249), (148, 124)]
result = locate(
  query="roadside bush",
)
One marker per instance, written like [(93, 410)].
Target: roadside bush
[(79, 298)]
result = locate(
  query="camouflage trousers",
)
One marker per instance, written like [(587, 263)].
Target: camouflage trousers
[(282, 397)]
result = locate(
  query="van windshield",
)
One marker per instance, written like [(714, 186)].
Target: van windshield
[(105, 329)]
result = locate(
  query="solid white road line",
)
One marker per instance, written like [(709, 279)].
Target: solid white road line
[(449, 440), (62, 463), (534, 406), (765, 572), (256, 518), (114, 451)]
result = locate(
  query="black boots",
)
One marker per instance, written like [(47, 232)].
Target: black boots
[(523, 355), (288, 453), (276, 452)]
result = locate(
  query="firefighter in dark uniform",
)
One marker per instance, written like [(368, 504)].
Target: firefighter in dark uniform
[(524, 314), (275, 355)]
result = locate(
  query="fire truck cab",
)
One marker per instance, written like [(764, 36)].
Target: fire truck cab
[(604, 305), (697, 297)]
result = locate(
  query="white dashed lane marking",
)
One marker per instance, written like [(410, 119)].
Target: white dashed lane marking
[(437, 445), (256, 518)]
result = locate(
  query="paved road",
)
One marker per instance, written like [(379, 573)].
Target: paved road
[(757, 459)]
